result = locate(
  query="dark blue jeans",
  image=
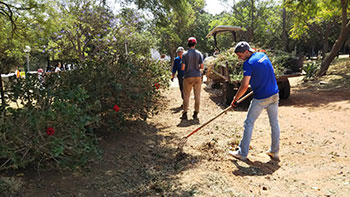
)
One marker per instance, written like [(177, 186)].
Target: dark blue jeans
[(181, 85)]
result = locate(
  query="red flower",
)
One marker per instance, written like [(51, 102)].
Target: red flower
[(50, 131), (116, 108), (157, 85)]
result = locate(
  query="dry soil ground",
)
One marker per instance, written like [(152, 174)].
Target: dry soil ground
[(140, 160)]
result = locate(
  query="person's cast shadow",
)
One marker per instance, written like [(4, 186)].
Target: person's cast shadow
[(176, 110), (256, 168), (187, 123)]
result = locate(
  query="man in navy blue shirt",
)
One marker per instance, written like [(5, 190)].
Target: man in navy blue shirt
[(259, 74), (177, 68)]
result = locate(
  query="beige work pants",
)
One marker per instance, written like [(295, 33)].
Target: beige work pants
[(189, 83)]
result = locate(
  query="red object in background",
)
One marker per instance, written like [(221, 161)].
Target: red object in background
[(50, 131), (116, 108), (157, 85), (192, 40)]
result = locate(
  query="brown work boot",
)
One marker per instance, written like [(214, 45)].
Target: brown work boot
[(273, 156)]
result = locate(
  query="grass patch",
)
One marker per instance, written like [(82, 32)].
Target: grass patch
[(338, 74), (10, 185)]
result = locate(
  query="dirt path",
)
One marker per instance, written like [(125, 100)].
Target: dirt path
[(140, 160)]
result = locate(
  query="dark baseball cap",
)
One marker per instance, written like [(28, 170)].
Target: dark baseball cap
[(243, 46)]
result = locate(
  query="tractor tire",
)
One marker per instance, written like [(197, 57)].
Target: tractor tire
[(284, 88), (230, 92)]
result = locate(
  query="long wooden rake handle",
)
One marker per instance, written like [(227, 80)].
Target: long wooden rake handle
[(224, 111)]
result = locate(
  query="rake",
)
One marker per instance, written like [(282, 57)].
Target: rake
[(184, 139)]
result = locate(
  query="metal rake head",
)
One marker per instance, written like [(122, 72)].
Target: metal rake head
[(182, 144)]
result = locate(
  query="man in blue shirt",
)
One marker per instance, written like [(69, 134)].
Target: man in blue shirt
[(177, 68), (259, 74)]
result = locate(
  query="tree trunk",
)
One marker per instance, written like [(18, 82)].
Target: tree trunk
[(325, 40), (284, 32), (344, 33), (2, 95), (252, 22), (171, 53), (48, 63), (172, 58)]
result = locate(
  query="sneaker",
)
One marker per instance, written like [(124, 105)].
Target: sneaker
[(236, 155), (195, 116), (184, 116), (273, 156)]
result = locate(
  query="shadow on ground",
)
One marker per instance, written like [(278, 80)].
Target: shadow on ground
[(187, 123), (176, 110), (333, 87), (136, 161), (314, 93), (310, 95), (256, 168)]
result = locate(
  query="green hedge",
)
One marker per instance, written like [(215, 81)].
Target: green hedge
[(55, 122)]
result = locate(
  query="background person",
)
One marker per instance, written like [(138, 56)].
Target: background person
[(192, 62), (259, 73), (177, 68), (58, 67)]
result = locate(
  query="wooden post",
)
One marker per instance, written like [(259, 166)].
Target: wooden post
[(225, 85), (227, 74)]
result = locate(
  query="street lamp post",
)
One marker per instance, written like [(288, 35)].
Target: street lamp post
[(27, 51), (126, 46), (2, 95)]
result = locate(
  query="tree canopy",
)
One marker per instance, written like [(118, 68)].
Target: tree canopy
[(72, 31), (321, 15)]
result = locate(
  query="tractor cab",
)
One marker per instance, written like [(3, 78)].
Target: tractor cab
[(223, 29), (214, 73)]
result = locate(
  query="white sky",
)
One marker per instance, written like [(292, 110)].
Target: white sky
[(217, 6), (213, 6)]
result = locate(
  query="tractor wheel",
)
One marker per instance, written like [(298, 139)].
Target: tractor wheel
[(230, 92), (284, 88)]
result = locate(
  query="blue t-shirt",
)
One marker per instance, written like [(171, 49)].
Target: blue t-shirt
[(192, 59), (177, 67), (263, 80)]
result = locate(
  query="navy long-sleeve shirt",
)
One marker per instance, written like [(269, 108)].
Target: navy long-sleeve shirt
[(177, 67)]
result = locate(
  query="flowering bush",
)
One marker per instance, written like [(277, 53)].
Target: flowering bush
[(49, 125), (50, 131), (56, 122), (156, 85), (116, 108)]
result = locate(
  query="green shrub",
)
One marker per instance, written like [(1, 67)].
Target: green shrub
[(51, 125), (54, 124), (131, 83), (10, 185), (283, 63), (311, 69), (234, 65)]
